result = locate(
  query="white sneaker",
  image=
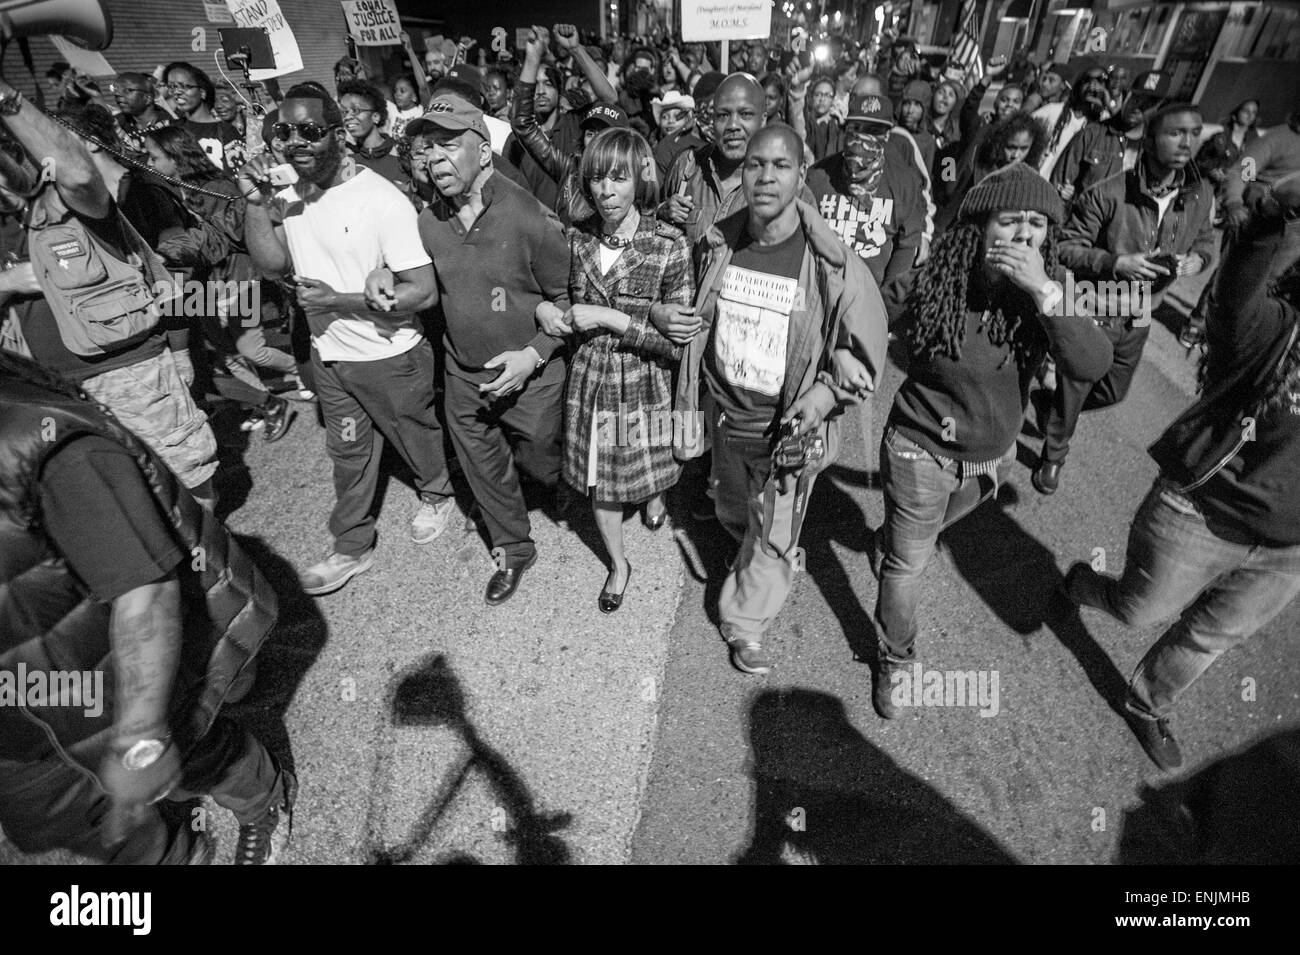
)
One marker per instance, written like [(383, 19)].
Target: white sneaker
[(431, 520)]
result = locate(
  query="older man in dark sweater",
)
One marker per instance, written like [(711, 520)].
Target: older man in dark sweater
[(498, 254)]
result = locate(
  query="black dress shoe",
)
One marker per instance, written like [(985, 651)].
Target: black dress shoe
[(1157, 740), (609, 602), (503, 584), (656, 522), (1046, 477)]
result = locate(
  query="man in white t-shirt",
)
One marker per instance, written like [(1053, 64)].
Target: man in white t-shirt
[(374, 369)]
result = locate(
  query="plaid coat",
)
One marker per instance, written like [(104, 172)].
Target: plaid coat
[(622, 385)]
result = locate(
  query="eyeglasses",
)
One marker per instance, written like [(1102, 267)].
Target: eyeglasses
[(182, 87), (307, 132), (356, 110)]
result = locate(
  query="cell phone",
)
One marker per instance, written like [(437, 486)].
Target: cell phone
[(282, 175), (1166, 260)]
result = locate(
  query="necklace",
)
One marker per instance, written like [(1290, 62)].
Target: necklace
[(616, 241)]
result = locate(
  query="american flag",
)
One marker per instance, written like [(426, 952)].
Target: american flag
[(965, 54)]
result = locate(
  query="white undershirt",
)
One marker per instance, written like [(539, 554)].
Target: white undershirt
[(608, 257)]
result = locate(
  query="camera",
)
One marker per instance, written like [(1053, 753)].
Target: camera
[(794, 451)]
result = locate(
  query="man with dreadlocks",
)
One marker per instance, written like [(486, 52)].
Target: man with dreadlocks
[(985, 313), (1217, 539)]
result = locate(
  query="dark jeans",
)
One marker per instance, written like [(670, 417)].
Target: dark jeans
[(49, 804), (496, 440), (364, 403), (1072, 397), (1222, 591), (922, 498)]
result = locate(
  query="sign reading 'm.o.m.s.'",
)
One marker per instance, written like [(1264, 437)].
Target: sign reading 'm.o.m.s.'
[(726, 20)]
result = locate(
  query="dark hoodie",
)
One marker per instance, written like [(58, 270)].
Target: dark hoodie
[(1238, 459)]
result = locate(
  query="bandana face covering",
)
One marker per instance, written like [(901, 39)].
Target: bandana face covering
[(864, 161)]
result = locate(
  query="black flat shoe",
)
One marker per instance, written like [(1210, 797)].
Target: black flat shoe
[(609, 602), (656, 522), (503, 584)]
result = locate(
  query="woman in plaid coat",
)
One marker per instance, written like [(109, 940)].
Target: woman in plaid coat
[(619, 427)]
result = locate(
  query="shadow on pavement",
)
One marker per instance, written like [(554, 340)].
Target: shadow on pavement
[(1239, 810), (825, 794), (429, 694), (1016, 576), (289, 652), (835, 516)]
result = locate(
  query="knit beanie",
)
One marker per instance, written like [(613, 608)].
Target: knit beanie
[(918, 90), (1016, 186)]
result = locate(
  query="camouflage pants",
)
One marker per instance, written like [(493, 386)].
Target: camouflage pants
[(151, 400)]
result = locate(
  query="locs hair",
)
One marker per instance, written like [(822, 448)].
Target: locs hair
[(936, 311)]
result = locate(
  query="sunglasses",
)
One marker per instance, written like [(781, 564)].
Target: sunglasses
[(308, 132)]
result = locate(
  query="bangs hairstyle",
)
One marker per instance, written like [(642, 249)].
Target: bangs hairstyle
[(621, 151)]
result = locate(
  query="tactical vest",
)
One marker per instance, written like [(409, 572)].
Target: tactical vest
[(50, 622)]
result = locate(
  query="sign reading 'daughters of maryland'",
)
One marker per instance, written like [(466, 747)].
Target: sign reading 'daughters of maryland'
[(373, 22), (726, 20), (266, 13)]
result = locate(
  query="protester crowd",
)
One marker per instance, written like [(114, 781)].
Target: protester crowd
[(611, 271)]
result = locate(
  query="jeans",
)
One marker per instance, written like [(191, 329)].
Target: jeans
[(1072, 396), (922, 499), (760, 579), (1223, 592)]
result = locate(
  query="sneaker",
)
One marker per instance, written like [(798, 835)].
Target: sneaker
[(431, 520), (264, 842), (277, 418), (748, 656), (334, 571), (1157, 739), (252, 422)]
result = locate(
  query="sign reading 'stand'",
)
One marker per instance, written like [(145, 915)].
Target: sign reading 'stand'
[(704, 20)]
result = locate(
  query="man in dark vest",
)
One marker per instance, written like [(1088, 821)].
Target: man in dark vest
[(128, 618)]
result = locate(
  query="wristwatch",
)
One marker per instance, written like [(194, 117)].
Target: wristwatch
[(1053, 295), (144, 753), (11, 103)]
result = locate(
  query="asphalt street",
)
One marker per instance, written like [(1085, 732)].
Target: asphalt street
[(427, 727)]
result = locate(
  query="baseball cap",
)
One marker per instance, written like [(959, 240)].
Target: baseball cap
[(1152, 84), (449, 111), (603, 116), (873, 108), (463, 80)]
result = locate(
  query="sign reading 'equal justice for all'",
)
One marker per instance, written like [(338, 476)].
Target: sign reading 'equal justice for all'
[(373, 22), (726, 20)]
